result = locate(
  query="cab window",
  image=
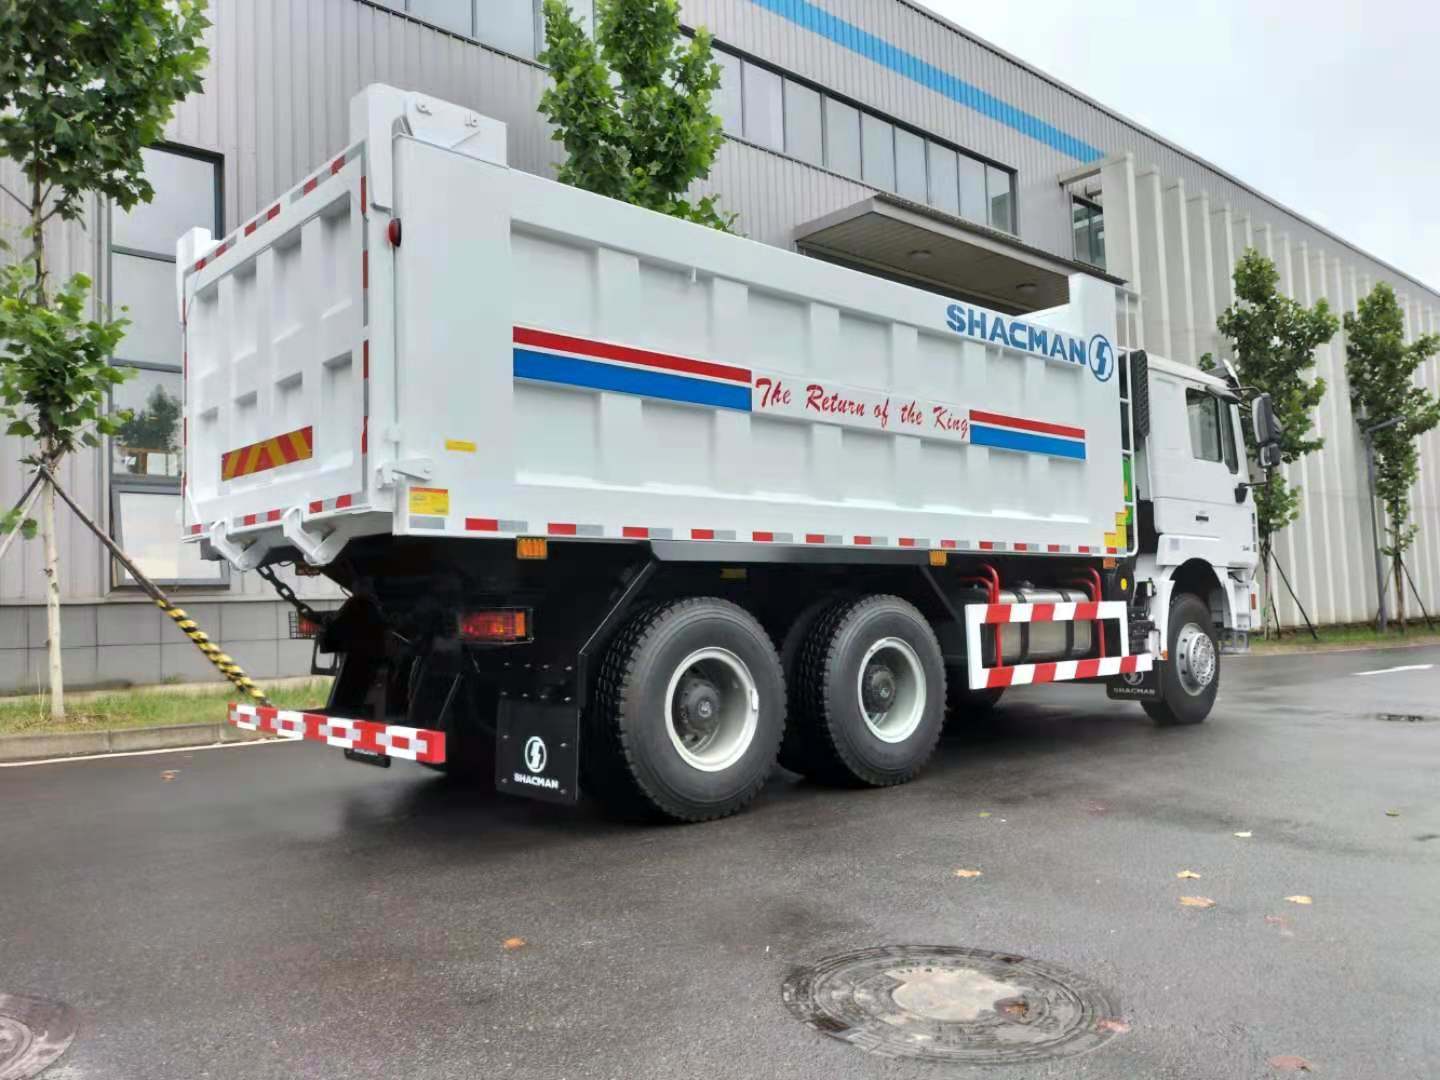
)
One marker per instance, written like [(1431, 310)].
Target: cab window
[(1227, 436), (1203, 412)]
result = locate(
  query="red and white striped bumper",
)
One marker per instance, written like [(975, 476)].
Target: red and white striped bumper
[(984, 678), (414, 744)]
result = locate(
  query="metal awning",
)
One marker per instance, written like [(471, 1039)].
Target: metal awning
[(919, 245)]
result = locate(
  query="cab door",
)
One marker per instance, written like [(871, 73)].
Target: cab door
[(1198, 469)]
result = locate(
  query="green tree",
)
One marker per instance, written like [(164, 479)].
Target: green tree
[(85, 85), (1381, 369), (632, 106), (1273, 339)]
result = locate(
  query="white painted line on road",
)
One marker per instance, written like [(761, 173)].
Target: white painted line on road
[(146, 753), (1402, 667)]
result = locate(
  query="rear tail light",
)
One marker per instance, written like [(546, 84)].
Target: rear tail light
[(303, 627), (504, 624)]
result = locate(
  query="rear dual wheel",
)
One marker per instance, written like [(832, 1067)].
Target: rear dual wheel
[(687, 715), (867, 694)]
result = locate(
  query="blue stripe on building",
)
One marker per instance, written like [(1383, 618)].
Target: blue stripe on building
[(871, 47), (572, 371), (1030, 443)]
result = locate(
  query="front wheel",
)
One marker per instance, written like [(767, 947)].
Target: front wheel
[(1190, 679)]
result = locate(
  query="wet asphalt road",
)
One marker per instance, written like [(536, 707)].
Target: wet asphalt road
[(278, 912)]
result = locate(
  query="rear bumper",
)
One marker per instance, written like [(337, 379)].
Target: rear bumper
[(393, 740)]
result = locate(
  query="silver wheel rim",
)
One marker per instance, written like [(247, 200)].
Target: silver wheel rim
[(712, 709), (890, 688), (1194, 659)]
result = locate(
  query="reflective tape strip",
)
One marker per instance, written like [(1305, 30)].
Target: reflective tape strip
[(286, 449), (1066, 670), (396, 740), (1083, 611)]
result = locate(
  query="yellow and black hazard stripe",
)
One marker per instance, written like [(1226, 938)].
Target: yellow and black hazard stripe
[(227, 667)]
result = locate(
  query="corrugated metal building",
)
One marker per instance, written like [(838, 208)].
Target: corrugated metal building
[(867, 132)]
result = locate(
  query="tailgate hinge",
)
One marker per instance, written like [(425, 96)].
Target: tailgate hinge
[(421, 468), (318, 548), (241, 556)]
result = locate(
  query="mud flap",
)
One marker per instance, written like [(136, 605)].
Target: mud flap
[(537, 751), (1135, 686)]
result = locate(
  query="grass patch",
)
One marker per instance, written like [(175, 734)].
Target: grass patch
[(144, 707), (1363, 636)]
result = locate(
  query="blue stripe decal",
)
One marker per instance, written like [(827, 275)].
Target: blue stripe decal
[(548, 367), (1030, 443), (862, 43)]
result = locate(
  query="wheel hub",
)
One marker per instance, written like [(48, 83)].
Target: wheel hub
[(697, 708), (878, 688), (1195, 651)]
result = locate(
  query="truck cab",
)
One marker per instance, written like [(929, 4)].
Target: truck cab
[(1196, 522)]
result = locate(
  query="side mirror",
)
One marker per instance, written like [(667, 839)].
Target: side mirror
[(1269, 455), (1267, 428)]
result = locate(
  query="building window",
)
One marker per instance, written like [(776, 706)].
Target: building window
[(145, 456), (944, 178), (726, 100), (803, 129), (1089, 225), (763, 107), (842, 138), (513, 25), (910, 182)]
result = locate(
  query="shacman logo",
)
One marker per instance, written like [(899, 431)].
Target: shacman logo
[(1102, 357), (535, 754)]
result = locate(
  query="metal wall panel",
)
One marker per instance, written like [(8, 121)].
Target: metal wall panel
[(276, 102)]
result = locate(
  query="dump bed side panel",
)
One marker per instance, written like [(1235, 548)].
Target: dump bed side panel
[(596, 370)]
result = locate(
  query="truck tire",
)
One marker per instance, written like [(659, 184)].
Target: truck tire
[(792, 751), (870, 698), (688, 713), (1190, 679)]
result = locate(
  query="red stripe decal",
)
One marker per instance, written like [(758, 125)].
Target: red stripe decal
[(997, 613), (364, 206), (317, 506), (763, 537), (1112, 551), (1088, 609), (337, 165), (273, 212), (365, 353), (365, 435), (979, 417), (482, 524), (1087, 669), (635, 532), (343, 501), (948, 544), (561, 528), (1043, 673), (273, 515), (251, 227), (200, 265), (1000, 676), (1022, 547), (1052, 548), (248, 519), (814, 538), (1042, 613), (310, 185), (862, 541), (365, 269), (907, 541), (987, 545), (702, 534), (543, 339), (1129, 663), (194, 529)]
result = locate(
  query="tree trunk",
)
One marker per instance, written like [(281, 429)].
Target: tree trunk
[(1399, 593), (52, 601)]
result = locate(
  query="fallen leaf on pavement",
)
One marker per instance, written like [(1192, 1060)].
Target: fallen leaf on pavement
[(1111, 1023), (513, 943), (1243, 835), (1291, 1063), (984, 813), (169, 774), (1392, 813), (1299, 899), (960, 872), (1187, 874), (1197, 901)]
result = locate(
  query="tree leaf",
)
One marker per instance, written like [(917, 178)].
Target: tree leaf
[(1187, 874), (1197, 901), (1300, 899), (513, 943), (960, 872), (1290, 1063)]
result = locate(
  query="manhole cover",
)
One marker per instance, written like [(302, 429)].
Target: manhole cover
[(33, 1033), (967, 1006)]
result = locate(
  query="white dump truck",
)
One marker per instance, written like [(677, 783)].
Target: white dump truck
[(630, 506)]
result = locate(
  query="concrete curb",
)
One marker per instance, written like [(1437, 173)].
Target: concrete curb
[(77, 743)]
